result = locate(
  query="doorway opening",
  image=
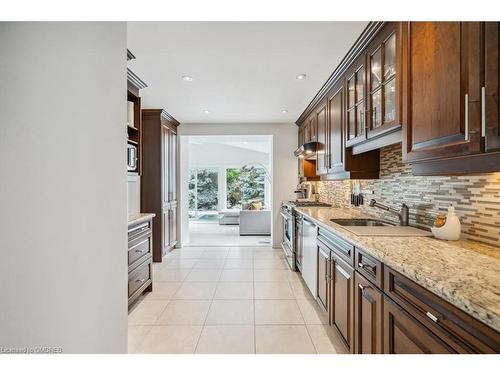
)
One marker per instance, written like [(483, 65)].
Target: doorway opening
[(226, 190)]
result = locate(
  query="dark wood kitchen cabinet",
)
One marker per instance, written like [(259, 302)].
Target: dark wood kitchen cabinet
[(140, 273), (490, 95), (324, 276), (355, 129), (341, 163), (322, 137), (441, 86), (404, 335), (342, 306), (375, 309), (383, 81), (368, 318), (158, 183)]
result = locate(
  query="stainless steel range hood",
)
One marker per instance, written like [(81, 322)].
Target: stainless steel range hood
[(307, 150)]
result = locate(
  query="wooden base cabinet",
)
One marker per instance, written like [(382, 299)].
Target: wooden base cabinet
[(140, 247), (342, 307), (368, 309), (375, 309), (405, 335)]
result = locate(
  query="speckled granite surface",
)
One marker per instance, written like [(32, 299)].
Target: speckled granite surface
[(136, 219), (464, 273)]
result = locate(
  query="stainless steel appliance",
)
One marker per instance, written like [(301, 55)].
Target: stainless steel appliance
[(310, 258), (292, 229), (288, 241), (131, 158)]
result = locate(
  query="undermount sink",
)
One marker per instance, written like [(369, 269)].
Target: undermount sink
[(362, 223), (376, 227)]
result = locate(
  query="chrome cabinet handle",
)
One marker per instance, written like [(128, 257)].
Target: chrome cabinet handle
[(139, 250), (140, 280), (466, 126), (432, 317), (483, 111), (363, 287), (365, 266)]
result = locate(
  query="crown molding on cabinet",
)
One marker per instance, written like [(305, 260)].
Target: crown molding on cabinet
[(135, 80), (366, 37)]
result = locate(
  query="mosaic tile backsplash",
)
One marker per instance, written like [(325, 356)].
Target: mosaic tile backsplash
[(476, 198)]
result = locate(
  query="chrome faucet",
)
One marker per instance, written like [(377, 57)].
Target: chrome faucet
[(403, 214)]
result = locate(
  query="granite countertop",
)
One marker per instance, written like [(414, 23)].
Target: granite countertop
[(464, 273), (137, 218)]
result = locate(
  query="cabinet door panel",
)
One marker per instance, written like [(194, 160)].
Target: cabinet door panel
[(324, 276), (367, 316), (335, 125), (165, 164), (491, 86), (165, 230), (441, 89), (342, 311), (405, 335), (321, 151), (384, 81)]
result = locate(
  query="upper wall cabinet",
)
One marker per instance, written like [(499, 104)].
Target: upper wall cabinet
[(450, 109), (383, 82), (442, 61), (373, 93), (322, 132), (356, 102), (490, 95)]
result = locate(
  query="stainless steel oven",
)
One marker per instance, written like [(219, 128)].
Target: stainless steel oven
[(288, 241)]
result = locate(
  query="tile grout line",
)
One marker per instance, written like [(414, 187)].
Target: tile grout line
[(206, 317), (302, 315)]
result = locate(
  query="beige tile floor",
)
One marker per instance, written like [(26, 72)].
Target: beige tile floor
[(228, 300), (213, 234)]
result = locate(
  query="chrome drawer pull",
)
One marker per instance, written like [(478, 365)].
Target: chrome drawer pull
[(365, 267), (362, 287), (432, 317), (139, 251), (140, 280)]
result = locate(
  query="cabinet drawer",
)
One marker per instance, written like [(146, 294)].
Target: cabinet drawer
[(405, 335), (460, 331), (369, 267), (139, 248), (139, 230), (338, 245), (139, 277)]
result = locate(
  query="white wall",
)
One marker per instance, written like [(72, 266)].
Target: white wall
[(63, 268), (212, 155), (284, 164)]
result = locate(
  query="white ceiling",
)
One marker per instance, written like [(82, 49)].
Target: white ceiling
[(244, 72), (259, 143)]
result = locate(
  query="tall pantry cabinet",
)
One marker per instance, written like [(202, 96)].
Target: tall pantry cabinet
[(159, 177)]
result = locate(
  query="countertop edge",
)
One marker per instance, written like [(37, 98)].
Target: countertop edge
[(140, 218)]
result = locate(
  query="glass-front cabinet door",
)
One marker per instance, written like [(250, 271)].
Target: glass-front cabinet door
[(356, 103), (383, 101)]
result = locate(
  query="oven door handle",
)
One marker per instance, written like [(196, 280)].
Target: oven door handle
[(286, 216)]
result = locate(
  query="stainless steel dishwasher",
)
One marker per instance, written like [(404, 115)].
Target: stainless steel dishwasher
[(309, 255)]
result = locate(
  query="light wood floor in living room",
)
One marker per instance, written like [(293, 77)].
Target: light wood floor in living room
[(228, 300)]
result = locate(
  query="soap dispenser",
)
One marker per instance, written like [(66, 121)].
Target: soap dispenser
[(451, 229)]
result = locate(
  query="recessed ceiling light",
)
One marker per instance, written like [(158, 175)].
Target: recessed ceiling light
[(301, 76), (187, 78), (206, 111), (284, 111)]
